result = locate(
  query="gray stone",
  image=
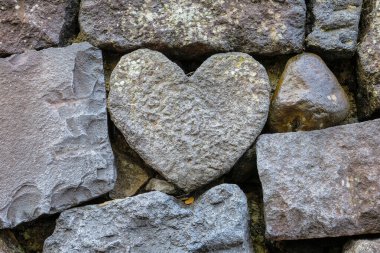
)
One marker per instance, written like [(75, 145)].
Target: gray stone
[(191, 130), (156, 222), (130, 177), (335, 27), (308, 97), (362, 246), (369, 66), (193, 28), (55, 151), (161, 185), (323, 183), (35, 24)]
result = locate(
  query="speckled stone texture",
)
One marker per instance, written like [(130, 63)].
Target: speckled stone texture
[(192, 28), (369, 66), (191, 130), (308, 97), (156, 222), (54, 147), (363, 246), (35, 24), (335, 27), (323, 183)]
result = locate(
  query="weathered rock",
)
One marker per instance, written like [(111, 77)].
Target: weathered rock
[(362, 246), (35, 24), (192, 129), (130, 177), (54, 150), (156, 222), (335, 27), (8, 243), (161, 185), (194, 28), (369, 66), (323, 183), (308, 97)]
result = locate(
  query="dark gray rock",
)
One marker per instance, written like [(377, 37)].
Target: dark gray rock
[(191, 130), (369, 66), (161, 185), (308, 97), (323, 183), (156, 222), (35, 24), (54, 150), (362, 246), (193, 28), (335, 27)]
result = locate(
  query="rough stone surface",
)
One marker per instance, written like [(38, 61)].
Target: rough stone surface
[(192, 129), (161, 185), (35, 24), (323, 183), (335, 27), (369, 66), (130, 177), (192, 28), (54, 146), (308, 97), (156, 222), (8, 243), (362, 246)]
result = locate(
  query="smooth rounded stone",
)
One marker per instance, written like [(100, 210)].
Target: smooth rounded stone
[(369, 66), (35, 24), (362, 246), (191, 130), (161, 185), (307, 97), (156, 222), (323, 183), (193, 28), (54, 152), (335, 27), (8, 243)]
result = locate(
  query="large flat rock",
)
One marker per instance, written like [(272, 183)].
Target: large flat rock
[(191, 130), (322, 183), (193, 28), (156, 222), (35, 24), (54, 146), (369, 65)]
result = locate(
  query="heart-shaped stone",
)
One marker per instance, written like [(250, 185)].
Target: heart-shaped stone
[(191, 129)]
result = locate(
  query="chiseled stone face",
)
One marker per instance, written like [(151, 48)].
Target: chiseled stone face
[(191, 130), (369, 66), (335, 27), (193, 28), (308, 97), (54, 147), (156, 222), (35, 24), (323, 183)]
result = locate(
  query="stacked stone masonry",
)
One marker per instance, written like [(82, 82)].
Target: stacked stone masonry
[(190, 126)]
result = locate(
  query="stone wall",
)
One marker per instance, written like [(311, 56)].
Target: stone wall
[(190, 126)]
